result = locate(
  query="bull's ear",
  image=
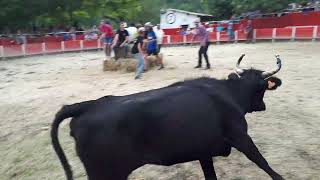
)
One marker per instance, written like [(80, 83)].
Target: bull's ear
[(273, 83)]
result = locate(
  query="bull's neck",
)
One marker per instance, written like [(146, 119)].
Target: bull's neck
[(242, 93)]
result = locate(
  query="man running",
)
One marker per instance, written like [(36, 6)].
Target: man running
[(107, 36), (203, 36), (152, 44)]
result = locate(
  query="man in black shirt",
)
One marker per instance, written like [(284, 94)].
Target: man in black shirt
[(121, 41)]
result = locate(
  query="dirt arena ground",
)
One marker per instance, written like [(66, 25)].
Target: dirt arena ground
[(33, 89)]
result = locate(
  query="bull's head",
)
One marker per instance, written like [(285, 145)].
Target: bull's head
[(258, 82)]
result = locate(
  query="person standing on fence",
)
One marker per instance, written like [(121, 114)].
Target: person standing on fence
[(230, 31), (20, 38), (249, 31), (138, 53), (201, 33), (159, 34), (107, 36)]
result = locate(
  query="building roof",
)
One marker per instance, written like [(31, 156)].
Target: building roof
[(188, 12)]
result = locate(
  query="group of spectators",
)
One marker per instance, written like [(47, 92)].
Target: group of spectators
[(229, 29), (312, 5), (143, 41)]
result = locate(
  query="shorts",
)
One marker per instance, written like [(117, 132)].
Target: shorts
[(152, 52), (108, 40)]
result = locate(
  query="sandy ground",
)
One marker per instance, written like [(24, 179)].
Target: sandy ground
[(33, 89)]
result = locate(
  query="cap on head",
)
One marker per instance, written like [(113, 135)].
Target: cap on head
[(141, 29), (148, 24)]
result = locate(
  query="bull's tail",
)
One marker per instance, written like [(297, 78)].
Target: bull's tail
[(65, 112)]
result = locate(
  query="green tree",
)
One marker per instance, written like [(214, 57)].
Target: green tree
[(23, 13)]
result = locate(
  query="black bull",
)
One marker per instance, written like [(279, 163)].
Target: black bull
[(191, 120)]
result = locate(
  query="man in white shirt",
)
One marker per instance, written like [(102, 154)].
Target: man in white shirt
[(133, 32), (160, 34)]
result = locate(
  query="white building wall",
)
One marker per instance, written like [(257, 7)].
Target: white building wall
[(173, 19)]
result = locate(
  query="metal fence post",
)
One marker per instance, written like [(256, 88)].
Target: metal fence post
[(98, 44), (62, 46), (293, 35), (236, 37), (43, 47), (169, 39), (2, 52), (23, 48), (81, 44), (315, 32), (218, 37), (274, 33)]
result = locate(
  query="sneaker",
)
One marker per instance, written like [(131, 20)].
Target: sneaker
[(199, 66), (161, 67), (208, 67), (137, 77)]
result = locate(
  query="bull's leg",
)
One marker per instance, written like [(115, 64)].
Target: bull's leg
[(101, 172), (97, 170), (208, 169), (244, 143)]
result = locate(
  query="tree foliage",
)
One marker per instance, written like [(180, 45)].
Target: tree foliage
[(16, 14)]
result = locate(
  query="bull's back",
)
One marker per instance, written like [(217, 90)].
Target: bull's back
[(171, 124)]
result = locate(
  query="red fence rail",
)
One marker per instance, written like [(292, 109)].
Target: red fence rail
[(52, 46)]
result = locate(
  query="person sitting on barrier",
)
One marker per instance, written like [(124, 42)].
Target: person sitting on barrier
[(72, 33), (20, 38), (152, 44), (121, 41)]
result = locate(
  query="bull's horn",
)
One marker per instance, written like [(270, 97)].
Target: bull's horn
[(267, 74), (239, 70)]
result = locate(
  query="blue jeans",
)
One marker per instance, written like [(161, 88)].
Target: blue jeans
[(140, 64), (107, 40)]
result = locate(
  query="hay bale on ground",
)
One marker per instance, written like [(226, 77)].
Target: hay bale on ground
[(111, 65), (127, 65), (123, 52), (152, 61)]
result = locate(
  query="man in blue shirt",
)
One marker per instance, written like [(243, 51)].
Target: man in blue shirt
[(152, 44)]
